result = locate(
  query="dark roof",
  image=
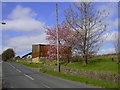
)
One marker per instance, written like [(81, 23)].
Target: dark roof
[(27, 54), (42, 44)]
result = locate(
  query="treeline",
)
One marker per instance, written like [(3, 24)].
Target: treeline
[(8, 54)]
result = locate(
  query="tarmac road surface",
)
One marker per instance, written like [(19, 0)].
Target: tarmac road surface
[(15, 75)]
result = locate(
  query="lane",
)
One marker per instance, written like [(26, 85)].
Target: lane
[(14, 79), (28, 76), (47, 81)]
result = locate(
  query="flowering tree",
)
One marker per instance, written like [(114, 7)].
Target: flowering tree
[(67, 39)]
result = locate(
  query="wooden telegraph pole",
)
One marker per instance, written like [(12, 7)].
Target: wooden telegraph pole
[(58, 63)]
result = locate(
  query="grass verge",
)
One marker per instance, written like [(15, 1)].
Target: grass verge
[(81, 79)]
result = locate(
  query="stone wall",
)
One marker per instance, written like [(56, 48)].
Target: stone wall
[(35, 59), (86, 73)]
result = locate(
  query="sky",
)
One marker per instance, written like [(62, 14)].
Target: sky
[(25, 22)]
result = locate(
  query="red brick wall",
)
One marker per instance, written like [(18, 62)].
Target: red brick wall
[(35, 51), (39, 50)]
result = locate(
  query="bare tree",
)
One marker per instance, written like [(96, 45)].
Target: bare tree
[(83, 17)]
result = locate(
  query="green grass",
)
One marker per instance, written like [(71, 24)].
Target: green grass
[(98, 64), (99, 83)]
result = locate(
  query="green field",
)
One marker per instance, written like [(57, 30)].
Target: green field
[(97, 64)]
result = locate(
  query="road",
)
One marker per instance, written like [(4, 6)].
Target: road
[(18, 76)]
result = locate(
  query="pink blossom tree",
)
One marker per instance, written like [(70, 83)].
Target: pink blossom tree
[(67, 39)]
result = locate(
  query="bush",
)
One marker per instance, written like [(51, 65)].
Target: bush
[(54, 62), (39, 62), (8, 54)]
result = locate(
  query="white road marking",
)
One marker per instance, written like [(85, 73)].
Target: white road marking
[(11, 65), (29, 77), (14, 67), (18, 70), (45, 85)]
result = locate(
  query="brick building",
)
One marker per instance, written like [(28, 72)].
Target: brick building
[(38, 51)]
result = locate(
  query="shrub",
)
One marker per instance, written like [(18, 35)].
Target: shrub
[(39, 62), (54, 62), (8, 54)]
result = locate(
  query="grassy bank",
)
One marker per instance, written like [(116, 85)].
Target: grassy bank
[(97, 64), (98, 83)]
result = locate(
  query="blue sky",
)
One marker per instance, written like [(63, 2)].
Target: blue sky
[(25, 22)]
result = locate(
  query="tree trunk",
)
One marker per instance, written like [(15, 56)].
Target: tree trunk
[(68, 59), (85, 60)]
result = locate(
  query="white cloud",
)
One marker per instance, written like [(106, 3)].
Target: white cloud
[(106, 51), (24, 43), (22, 19), (21, 13), (111, 37), (23, 25), (112, 19)]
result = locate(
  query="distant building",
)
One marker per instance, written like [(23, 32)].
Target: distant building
[(38, 51), (41, 50), (27, 56)]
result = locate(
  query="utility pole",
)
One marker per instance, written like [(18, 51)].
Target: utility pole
[(58, 63)]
